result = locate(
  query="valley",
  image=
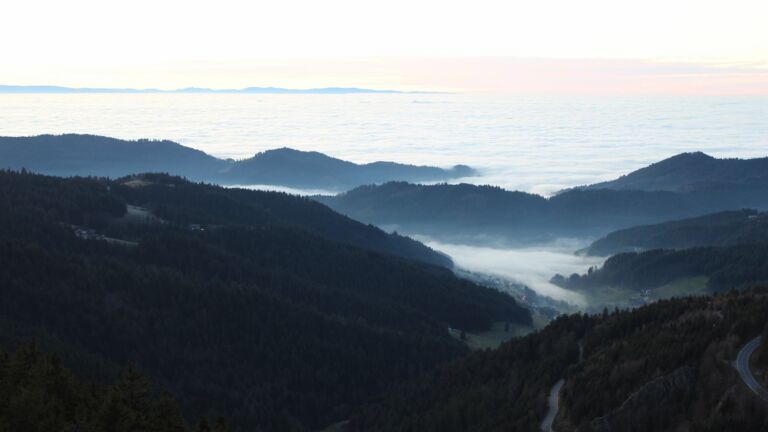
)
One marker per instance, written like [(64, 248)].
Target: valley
[(405, 329)]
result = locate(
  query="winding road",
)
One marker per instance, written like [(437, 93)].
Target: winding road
[(553, 404), (742, 366)]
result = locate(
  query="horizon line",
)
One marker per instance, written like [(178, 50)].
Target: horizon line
[(54, 89)]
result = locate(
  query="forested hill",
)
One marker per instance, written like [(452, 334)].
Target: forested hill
[(723, 267), (719, 229), (90, 155), (471, 211), (228, 299), (315, 170), (185, 202), (688, 172), (660, 368)]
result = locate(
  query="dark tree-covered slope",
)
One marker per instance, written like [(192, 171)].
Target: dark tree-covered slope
[(688, 172), (719, 229), (662, 367), (490, 390), (230, 300), (725, 267), (39, 394), (190, 203), (89, 155)]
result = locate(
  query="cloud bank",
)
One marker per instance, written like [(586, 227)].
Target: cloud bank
[(532, 266)]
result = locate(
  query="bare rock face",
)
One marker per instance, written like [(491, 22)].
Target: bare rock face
[(653, 400)]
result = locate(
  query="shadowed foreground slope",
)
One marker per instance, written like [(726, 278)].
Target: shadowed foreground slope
[(39, 394), (662, 367)]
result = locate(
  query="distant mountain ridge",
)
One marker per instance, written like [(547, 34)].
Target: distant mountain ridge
[(688, 172), (309, 168), (253, 90), (72, 154)]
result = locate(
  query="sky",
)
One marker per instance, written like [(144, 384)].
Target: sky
[(550, 46)]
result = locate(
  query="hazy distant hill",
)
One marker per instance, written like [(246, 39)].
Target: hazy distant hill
[(310, 169), (693, 172), (437, 207), (486, 213), (718, 229), (66, 155), (254, 90)]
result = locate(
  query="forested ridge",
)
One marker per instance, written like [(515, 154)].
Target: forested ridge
[(727, 228), (466, 212), (258, 307), (662, 367), (738, 266), (183, 202), (92, 155), (695, 171)]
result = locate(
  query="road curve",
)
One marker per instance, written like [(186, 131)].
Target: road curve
[(553, 404), (742, 366)]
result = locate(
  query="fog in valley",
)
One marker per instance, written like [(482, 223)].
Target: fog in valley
[(285, 189), (533, 266)]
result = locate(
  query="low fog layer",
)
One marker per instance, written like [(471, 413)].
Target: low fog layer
[(286, 189), (532, 266)]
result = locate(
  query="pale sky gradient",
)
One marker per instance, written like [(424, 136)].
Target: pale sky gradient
[(555, 46)]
